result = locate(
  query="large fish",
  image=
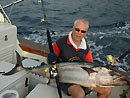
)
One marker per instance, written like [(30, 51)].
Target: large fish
[(82, 73)]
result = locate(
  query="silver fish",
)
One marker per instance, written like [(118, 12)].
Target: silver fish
[(82, 73)]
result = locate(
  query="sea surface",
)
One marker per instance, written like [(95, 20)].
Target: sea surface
[(109, 23)]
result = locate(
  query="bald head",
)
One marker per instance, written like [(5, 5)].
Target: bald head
[(81, 21)]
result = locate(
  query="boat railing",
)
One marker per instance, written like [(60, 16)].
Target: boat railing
[(6, 17)]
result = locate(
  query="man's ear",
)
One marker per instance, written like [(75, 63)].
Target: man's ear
[(73, 28)]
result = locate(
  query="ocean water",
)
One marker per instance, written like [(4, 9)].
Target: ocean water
[(109, 23)]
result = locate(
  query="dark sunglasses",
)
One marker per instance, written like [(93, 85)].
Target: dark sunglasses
[(82, 31)]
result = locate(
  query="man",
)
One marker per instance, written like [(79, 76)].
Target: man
[(73, 47)]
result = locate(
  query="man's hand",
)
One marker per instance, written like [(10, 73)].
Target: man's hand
[(52, 58)]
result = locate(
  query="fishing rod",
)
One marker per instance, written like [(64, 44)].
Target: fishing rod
[(50, 47), (46, 26), (122, 56), (111, 61)]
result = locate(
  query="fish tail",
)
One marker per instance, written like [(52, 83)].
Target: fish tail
[(17, 68)]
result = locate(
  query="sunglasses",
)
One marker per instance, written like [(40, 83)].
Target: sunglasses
[(82, 31)]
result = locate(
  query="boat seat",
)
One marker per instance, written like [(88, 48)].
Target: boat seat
[(5, 66), (16, 81)]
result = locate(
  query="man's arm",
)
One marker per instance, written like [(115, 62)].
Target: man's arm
[(56, 49), (89, 57), (52, 57)]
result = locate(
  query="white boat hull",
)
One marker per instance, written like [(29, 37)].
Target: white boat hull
[(42, 90)]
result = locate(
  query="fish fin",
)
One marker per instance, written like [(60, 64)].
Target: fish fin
[(89, 70)]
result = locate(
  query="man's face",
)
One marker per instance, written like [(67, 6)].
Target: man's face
[(79, 30)]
